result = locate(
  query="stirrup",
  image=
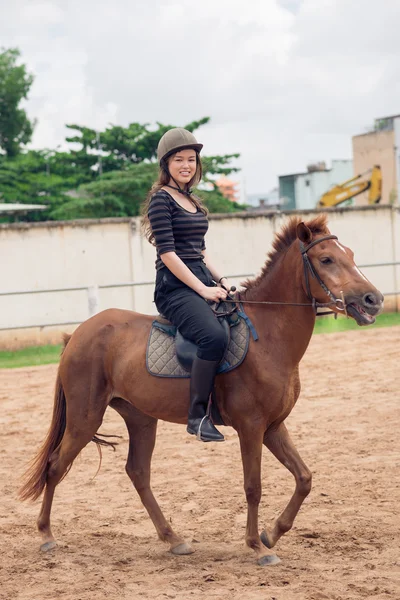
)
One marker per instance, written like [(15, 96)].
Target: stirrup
[(219, 437), (198, 435)]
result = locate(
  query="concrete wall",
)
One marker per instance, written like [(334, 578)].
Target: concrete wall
[(111, 251), (376, 148), (397, 156), (309, 187)]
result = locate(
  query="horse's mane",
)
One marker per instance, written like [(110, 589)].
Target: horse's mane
[(282, 241)]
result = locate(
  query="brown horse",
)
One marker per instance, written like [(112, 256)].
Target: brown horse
[(103, 364)]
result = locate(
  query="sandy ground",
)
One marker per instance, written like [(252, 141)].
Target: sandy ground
[(345, 542)]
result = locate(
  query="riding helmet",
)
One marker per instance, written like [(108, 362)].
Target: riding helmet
[(174, 140)]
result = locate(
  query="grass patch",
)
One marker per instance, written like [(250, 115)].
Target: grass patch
[(30, 357), (45, 355), (331, 325)]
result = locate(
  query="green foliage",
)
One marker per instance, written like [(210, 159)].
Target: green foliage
[(29, 178), (331, 325), (29, 357), (115, 194), (104, 174), (119, 166), (118, 147), (217, 203), (218, 165), (15, 127), (121, 192)]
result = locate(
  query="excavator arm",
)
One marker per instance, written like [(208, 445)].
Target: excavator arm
[(353, 187)]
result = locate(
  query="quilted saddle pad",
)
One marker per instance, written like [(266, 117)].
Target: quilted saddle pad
[(161, 357)]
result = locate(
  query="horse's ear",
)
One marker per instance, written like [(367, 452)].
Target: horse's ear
[(304, 233)]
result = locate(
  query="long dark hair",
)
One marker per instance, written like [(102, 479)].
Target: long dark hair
[(163, 179)]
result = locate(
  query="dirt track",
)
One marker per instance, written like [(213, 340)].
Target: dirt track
[(345, 542)]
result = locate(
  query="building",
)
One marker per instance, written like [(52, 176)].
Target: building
[(228, 188), (303, 190), (381, 146), (263, 201)]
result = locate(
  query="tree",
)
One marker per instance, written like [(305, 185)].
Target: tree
[(126, 158), (119, 147), (115, 194), (28, 179), (108, 175), (121, 194), (15, 82)]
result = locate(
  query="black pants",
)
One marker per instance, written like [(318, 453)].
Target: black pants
[(189, 312)]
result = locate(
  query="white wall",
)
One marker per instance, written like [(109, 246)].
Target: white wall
[(396, 125), (62, 255), (309, 187), (110, 251)]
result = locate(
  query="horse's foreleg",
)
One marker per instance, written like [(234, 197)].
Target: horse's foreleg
[(279, 443), (142, 436), (251, 448)]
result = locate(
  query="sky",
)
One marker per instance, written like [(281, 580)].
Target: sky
[(285, 82)]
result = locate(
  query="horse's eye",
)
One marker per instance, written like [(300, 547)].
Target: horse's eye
[(326, 260)]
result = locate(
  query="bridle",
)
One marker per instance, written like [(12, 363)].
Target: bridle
[(309, 269)]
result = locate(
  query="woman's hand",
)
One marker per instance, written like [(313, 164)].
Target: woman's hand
[(225, 284), (216, 294)]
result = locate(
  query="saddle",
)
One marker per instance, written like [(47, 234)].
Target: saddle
[(185, 349), (169, 354)]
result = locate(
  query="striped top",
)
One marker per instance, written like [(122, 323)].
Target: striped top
[(176, 229)]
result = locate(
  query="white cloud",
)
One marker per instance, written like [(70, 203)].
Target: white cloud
[(285, 81)]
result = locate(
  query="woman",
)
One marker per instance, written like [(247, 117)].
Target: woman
[(175, 222)]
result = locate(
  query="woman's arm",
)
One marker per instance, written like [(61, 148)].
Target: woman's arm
[(160, 218), (172, 261)]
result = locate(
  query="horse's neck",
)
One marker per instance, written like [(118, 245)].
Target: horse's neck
[(291, 324)]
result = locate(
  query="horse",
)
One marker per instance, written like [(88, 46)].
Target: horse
[(103, 364)]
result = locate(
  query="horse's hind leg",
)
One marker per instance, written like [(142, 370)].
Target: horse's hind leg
[(279, 443), (142, 436), (76, 436)]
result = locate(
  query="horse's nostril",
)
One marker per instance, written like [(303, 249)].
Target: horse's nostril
[(370, 300)]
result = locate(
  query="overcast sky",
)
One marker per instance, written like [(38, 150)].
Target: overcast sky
[(285, 82)]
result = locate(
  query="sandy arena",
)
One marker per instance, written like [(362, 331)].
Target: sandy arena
[(345, 541)]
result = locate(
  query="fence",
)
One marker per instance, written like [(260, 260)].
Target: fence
[(93, 294), (56, 275)]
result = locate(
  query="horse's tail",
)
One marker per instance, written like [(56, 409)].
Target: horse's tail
[(36, 475)]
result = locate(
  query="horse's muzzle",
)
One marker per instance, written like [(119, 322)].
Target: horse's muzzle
[(364, 307)]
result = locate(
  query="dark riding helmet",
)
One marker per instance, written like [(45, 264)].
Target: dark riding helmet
[(174, 140)]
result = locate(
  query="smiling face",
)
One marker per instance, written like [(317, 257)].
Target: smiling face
[(182, 166), (335, 265)]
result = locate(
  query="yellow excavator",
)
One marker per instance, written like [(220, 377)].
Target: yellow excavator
[(347, 190)]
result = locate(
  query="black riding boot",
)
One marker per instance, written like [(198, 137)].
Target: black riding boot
[(201, 384)]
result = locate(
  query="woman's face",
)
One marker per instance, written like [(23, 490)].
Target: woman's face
[(182, 166)]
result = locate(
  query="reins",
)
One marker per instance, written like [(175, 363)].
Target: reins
[(308, 269)]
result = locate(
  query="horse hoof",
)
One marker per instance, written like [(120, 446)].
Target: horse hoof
[(265, 539), (182, 549), (48, 546), (269, 560)]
